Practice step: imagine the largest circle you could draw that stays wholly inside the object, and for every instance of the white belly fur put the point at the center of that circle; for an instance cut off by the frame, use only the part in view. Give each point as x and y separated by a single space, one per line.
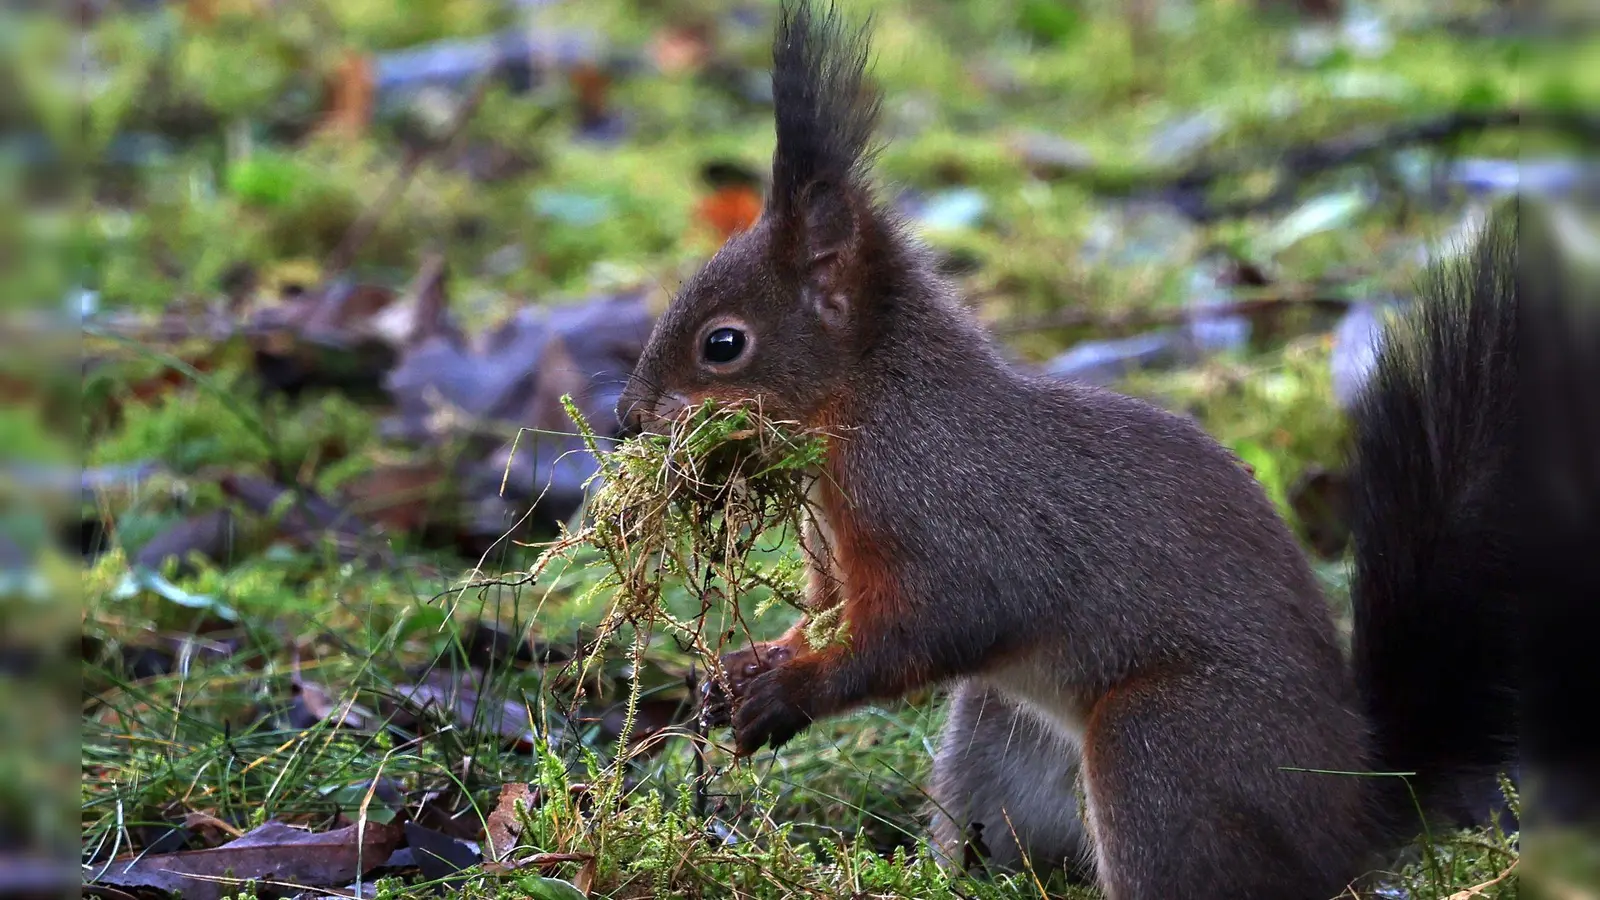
1041 695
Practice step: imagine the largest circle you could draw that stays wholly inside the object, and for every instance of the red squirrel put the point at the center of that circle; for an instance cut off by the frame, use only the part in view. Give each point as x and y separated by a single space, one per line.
1111 594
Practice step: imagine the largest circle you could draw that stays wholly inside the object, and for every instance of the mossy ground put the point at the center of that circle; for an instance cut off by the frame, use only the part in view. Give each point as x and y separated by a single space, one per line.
838 812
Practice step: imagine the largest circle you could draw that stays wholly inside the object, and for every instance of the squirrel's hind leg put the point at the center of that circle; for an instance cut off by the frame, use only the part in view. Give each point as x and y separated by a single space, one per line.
1005 789
1221 786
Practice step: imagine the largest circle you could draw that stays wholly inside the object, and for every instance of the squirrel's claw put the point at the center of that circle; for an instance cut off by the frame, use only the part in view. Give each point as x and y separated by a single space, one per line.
765 715
716 709
718 696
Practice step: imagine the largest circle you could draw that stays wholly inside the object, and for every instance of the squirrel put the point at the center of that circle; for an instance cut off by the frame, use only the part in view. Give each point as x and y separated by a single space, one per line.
1123 614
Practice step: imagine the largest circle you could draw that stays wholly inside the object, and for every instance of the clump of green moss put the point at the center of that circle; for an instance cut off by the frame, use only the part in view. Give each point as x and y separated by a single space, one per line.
687 510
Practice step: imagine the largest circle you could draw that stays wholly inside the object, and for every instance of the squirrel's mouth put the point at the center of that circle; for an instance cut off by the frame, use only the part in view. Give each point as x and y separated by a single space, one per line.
652 415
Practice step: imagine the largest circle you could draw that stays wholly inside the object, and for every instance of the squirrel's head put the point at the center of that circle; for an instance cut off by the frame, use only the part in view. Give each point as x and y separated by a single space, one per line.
783 313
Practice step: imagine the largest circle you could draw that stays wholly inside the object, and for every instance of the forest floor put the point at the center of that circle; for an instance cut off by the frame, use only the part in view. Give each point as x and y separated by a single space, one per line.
330 308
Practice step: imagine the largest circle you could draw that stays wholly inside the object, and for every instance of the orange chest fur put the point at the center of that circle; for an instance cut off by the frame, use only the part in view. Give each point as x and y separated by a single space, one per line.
846 562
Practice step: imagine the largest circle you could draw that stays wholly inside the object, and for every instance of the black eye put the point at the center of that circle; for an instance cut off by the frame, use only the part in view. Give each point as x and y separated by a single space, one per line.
724 345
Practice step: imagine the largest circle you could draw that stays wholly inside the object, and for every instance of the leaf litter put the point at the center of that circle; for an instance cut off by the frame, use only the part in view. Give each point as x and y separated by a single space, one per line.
273 852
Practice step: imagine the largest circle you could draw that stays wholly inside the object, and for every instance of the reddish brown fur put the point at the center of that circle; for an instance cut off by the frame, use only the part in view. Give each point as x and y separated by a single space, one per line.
1095 574
850 568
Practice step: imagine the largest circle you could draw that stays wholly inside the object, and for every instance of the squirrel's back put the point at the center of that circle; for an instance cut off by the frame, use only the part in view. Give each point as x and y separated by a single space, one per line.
1094 503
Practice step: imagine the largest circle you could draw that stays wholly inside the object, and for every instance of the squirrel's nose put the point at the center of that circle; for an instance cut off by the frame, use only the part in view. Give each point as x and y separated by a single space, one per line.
630 418
636 415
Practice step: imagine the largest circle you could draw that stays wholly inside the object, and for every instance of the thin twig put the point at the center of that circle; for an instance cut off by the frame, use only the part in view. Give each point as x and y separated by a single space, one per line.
1187 189
699 745
1478 889
1139 319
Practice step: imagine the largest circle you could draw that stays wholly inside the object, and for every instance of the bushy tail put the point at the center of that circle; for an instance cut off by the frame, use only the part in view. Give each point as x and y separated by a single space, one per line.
1438 569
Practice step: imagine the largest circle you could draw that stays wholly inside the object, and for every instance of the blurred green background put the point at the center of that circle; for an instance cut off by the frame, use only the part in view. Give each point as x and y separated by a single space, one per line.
330 265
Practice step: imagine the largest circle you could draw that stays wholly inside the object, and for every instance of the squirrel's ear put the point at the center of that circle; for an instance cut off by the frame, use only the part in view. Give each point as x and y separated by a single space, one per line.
831 250
825 114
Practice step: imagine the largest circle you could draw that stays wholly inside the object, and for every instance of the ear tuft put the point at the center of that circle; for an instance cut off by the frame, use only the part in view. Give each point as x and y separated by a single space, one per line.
826 112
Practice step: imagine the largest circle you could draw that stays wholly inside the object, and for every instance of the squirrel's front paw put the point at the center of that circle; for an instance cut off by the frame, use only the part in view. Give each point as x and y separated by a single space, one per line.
768 714
740 668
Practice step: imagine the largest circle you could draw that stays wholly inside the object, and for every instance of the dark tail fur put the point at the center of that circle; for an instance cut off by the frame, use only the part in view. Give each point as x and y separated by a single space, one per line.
826 111
1438 570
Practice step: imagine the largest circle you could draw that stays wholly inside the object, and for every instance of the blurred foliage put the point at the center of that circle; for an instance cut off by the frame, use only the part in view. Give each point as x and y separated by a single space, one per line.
206 128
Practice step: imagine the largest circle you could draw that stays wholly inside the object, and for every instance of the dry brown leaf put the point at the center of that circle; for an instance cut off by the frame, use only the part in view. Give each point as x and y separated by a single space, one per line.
504 826
584 880
730 210
351 90
681 48
200 12
273 852
198 821
403 497
593 88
